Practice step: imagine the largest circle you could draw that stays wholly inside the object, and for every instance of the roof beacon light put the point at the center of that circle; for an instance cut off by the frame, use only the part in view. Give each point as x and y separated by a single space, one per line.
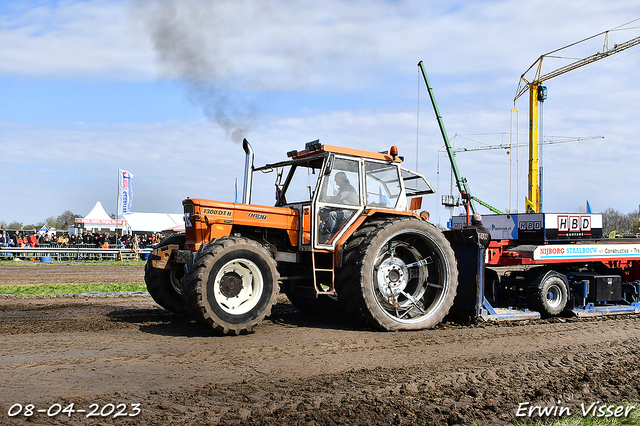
394 152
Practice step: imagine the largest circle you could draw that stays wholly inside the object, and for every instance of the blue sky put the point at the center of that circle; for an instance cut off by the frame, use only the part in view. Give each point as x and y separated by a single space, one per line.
159 87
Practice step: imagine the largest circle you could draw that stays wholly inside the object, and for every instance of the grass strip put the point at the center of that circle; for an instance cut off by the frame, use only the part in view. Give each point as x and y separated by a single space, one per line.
48 289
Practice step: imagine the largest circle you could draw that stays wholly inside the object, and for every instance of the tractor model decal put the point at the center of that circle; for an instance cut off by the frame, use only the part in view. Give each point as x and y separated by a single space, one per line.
258 216
217 212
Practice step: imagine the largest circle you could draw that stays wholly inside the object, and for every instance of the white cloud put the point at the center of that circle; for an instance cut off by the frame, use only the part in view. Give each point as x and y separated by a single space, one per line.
71 167
283 45
73 39
358 53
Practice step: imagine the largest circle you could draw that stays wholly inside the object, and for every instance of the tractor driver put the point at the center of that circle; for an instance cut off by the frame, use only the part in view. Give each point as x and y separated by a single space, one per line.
347 194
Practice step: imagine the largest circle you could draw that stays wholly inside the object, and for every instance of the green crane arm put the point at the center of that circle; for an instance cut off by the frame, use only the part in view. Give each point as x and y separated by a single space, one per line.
461 182
493 209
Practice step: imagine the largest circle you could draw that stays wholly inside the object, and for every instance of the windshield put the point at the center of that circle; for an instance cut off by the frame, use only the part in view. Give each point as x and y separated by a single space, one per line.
302 184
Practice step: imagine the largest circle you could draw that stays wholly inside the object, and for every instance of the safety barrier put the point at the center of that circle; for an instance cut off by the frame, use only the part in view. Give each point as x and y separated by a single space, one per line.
47 254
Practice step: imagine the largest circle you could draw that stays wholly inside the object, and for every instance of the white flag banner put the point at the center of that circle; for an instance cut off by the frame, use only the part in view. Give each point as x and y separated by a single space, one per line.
125 193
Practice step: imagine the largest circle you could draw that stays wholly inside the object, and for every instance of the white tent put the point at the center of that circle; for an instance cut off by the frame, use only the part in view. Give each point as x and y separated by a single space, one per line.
153 222
98 219
98 212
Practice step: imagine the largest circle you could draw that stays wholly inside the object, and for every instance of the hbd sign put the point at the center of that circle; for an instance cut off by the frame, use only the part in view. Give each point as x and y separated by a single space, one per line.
574 223
529 225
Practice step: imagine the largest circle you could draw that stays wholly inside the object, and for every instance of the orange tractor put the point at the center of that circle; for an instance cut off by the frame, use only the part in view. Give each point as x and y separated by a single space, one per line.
341 231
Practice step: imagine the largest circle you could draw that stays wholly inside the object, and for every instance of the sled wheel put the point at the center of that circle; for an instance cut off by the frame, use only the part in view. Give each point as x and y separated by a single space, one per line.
164 285
398 274
549 295
231 285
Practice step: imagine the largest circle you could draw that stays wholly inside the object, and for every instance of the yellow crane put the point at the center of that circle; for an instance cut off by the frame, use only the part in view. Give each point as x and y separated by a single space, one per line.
537 94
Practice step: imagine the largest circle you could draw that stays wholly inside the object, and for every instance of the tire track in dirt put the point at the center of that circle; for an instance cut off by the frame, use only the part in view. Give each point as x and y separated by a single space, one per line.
293 369
298 370
20 273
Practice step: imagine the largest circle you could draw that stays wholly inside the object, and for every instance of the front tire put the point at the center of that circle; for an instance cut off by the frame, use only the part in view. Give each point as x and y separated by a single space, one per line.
164 285
398 274
231 285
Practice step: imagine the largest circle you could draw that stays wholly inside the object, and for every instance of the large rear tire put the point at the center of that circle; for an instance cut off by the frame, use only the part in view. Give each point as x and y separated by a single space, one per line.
398 274
231 285
164 285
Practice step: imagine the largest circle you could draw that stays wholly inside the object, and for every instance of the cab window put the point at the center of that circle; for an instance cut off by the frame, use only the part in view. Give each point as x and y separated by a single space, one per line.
383 184
302 184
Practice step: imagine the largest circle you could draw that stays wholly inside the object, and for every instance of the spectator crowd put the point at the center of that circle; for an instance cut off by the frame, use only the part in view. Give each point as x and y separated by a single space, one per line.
86 239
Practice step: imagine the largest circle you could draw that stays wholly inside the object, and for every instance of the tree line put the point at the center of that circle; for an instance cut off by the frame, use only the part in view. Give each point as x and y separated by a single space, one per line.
62 222
612 220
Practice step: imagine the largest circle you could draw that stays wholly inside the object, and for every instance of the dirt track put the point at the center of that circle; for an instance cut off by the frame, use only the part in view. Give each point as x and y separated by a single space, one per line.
293 369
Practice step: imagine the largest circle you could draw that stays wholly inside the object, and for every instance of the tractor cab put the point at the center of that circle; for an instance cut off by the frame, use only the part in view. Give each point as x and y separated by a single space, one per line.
331 187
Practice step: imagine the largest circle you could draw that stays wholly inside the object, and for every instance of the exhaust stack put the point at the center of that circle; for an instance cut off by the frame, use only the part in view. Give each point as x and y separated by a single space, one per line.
248 172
